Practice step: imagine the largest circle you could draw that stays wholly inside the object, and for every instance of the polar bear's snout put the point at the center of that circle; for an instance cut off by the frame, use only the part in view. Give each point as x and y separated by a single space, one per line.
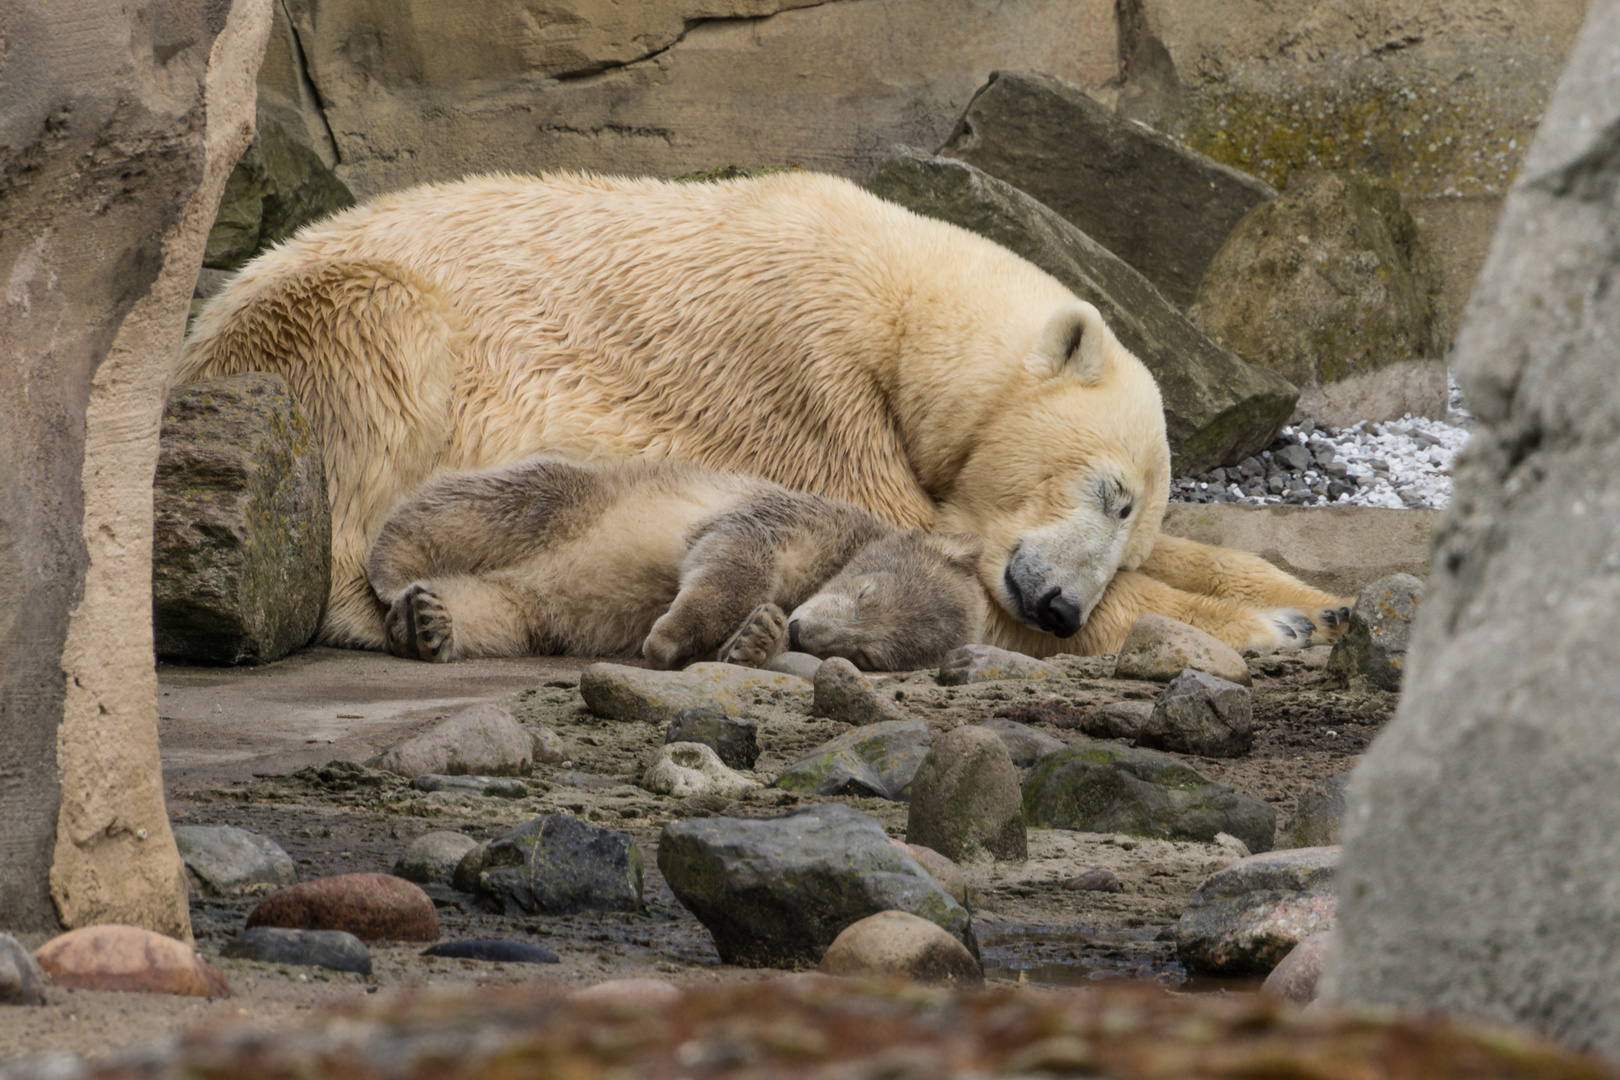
1038 602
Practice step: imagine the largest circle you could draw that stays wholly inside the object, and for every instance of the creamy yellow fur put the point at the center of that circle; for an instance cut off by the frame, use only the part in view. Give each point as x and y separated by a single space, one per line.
791 326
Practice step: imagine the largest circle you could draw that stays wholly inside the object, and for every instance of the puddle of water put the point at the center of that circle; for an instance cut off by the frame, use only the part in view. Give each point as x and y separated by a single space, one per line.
1075 956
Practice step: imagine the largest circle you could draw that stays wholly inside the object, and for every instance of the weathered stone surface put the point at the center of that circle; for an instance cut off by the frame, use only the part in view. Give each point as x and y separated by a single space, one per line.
278 186
795 663
112 957
617 692
1109 788
1319 817
842 693
335 949
485 740
877 760
1201 714
986 663
1163 208
498 787
558 865
222 860
945 872
372 907
683 769
1094 881
1159 648
1247 917
1374 647
431 859
1024 744
21 980
965 799
897 943
735 739
242 549
1328 281
1217 408
1483 839
1117 720
1295 979
776 892
492 951
548 748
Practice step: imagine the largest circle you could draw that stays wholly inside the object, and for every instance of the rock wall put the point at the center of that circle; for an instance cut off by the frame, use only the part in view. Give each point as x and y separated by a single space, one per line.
1481 869
119 129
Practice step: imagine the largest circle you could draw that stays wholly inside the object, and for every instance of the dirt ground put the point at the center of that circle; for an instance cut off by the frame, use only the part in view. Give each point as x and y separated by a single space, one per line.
265 749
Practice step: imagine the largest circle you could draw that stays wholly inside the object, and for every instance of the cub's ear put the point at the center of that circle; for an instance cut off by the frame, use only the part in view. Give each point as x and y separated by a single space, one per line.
1075 342
961 549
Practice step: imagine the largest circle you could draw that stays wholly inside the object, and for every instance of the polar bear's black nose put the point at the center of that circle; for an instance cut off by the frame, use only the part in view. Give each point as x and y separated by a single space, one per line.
1057 614
793 636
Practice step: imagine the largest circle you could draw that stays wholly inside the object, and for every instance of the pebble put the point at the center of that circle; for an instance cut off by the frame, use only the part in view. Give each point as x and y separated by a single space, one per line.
1374 645
485 740
558 865
878 760
965 799
548 747
899 944
1295 979
842 693
493 951
1024 744
1201 714
735 739
1158 649
112 957
499 787
1094 881
986 663
21 980
431 859
619 692
1245 918
334 949
691 768
801 664
222 860
372 907
1117 720
1316 822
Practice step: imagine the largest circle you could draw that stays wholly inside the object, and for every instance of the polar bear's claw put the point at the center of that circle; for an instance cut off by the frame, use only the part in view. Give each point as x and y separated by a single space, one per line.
419 626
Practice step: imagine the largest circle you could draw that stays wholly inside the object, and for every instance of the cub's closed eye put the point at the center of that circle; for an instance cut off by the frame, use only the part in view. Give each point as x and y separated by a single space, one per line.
1125 513
864 591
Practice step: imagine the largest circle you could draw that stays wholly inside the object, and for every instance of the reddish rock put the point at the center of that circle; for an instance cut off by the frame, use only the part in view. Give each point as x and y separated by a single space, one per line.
1294 980
372 907
1094 881
128 958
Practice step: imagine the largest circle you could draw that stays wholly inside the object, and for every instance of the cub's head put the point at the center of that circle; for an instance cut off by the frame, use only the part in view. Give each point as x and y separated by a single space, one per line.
1067 484
901 603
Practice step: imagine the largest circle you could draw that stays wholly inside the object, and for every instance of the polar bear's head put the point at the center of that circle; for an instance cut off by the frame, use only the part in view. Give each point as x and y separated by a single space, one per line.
1068 483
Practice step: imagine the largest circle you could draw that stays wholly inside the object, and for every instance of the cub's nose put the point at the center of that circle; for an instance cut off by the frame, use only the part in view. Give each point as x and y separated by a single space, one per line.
1057 614
793 636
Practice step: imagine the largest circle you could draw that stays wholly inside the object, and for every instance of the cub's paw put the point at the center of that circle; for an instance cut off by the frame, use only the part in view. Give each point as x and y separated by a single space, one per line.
761 637
662 649
419 626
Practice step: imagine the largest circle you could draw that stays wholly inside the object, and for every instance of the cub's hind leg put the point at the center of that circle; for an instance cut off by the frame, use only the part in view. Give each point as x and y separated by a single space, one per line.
1229 574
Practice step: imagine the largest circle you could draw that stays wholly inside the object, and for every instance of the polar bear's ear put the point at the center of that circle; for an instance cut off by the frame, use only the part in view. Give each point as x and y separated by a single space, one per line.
1074 342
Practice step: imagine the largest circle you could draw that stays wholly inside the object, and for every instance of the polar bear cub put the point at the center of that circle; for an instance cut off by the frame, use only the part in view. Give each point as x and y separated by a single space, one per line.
549 555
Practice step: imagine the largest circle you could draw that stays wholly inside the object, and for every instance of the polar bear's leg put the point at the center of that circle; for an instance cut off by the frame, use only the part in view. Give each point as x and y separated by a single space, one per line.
757 640
1228 574
717 595
459 616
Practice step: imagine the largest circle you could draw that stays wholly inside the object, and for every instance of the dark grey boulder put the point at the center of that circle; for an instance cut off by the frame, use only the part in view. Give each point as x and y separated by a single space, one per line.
877 760
1374 645
1024 744
1200 713
21 980
1244 919
775 892
965 800
558 865
222 860
241 552
1318 819
493 951
734 739
277 187
335 949
1109 788
1217 408
1162 207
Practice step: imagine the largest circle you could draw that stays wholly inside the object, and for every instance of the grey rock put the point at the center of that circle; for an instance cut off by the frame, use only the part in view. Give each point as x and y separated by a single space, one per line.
1217 408
1024 744
1293 456
241 549
499 787
795 663
21 980
986 663
1163 208
1201 714
618 692
1317 820
1296 978
338 950
688 769
735 739
548 747
1244 919
492 951
485 740
776 892
965 799
944 871
878 760
222 860
842 693
1374 646
465 877
279 186
1157 648
1109 788
559 865
431 859
1117 720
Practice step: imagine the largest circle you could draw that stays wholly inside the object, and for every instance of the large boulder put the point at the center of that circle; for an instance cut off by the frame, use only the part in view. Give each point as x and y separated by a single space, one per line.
1217 408
1482 846
1328 285
1163 208
965 800
1109 788
557 865
1244 919
241 554
776 892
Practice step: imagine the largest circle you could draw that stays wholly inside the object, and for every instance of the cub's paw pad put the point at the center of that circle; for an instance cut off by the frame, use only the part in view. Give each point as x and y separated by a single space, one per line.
399 625
761 637
1292 626
434 629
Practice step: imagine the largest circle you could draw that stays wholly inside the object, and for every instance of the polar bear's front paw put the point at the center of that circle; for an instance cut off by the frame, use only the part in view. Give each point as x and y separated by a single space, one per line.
419 626
761 637
1331 623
